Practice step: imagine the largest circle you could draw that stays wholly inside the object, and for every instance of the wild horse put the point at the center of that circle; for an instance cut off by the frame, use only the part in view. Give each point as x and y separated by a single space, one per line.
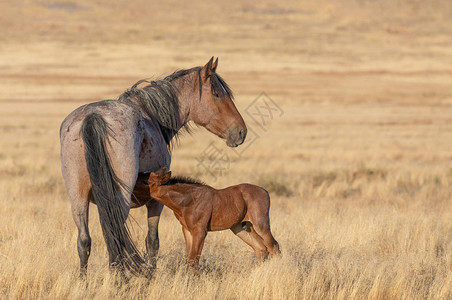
106 144
242 208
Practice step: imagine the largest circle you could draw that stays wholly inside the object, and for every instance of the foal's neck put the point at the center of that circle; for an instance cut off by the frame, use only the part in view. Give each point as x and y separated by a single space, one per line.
160 193
181 195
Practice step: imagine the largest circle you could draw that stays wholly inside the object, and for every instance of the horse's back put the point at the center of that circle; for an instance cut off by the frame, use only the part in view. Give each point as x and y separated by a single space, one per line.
111 110
245 192
124 124
255 192
256 198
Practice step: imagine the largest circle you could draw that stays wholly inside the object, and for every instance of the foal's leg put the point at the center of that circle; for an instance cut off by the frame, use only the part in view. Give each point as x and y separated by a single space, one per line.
198 237
249 236
188 239
152 239
263 230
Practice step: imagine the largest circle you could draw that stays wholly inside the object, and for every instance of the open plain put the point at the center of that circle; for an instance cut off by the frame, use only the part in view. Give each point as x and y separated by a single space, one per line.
355 147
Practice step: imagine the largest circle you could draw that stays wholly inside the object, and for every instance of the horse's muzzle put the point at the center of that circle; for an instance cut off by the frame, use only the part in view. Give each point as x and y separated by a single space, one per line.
236 137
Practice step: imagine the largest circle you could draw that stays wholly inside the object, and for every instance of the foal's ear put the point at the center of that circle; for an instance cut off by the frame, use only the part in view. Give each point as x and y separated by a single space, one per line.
207 70
165 178
161 171
151 179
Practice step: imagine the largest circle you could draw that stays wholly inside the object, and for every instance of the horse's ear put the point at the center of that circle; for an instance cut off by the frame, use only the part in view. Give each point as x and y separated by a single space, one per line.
166 177
207 70
161 171
215 65
151 179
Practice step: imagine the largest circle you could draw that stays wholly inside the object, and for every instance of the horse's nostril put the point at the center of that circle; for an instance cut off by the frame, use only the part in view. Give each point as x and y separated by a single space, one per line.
241 133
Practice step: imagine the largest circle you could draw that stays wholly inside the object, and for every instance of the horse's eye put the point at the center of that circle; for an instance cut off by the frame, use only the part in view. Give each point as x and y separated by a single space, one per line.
216 95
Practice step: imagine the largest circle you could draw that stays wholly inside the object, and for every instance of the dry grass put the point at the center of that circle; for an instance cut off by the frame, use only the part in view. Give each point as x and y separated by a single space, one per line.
359 165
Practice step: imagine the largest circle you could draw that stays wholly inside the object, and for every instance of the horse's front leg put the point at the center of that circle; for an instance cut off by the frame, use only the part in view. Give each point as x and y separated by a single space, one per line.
152 239
198 237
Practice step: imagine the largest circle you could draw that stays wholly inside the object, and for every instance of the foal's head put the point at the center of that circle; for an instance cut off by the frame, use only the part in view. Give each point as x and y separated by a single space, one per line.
216 110
159 177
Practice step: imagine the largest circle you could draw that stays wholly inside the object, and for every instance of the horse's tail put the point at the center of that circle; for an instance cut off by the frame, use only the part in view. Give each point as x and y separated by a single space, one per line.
106 191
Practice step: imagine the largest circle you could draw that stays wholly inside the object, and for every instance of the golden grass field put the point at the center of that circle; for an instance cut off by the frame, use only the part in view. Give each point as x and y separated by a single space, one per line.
359 164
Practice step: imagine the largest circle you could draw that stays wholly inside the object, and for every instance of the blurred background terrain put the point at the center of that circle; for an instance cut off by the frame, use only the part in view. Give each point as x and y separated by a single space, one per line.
357 160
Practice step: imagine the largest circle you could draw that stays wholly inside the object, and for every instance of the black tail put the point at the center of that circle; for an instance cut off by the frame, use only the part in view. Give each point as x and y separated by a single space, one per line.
106 189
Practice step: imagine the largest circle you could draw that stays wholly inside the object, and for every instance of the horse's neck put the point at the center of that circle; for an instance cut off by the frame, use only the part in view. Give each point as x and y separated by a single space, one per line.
161 195
181 195
188 91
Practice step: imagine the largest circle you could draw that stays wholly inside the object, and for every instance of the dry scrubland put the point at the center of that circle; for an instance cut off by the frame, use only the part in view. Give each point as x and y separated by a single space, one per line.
359 166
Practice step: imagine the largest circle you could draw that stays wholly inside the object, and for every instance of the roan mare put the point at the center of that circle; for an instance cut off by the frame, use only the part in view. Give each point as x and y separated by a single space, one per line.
105 146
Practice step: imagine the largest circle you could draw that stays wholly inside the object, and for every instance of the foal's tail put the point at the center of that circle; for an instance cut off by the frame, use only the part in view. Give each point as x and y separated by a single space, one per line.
106 190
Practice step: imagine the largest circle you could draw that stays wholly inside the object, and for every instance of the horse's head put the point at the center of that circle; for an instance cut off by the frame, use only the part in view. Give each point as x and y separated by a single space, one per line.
159 177
215 110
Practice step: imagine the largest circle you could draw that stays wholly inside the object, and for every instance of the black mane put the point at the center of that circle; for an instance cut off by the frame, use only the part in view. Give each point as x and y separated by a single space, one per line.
160 99
184 179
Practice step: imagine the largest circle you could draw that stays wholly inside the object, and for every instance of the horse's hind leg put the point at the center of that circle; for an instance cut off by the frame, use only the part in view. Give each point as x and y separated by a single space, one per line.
80 214
263 230
78 187
247 234
152 239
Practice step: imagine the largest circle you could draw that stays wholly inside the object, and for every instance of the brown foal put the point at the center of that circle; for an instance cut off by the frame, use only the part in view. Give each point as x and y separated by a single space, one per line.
200 208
